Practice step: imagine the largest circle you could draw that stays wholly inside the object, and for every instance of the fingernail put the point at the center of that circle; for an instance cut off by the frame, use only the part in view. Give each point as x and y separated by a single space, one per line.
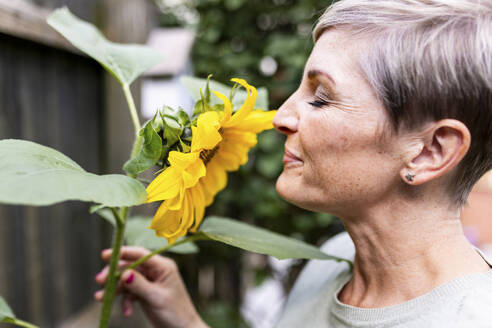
129 280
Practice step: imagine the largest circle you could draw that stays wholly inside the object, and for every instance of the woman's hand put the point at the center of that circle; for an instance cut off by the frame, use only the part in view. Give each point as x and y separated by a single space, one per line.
157 285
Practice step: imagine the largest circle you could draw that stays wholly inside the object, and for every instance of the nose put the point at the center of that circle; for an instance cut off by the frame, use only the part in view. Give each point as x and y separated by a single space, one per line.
286 120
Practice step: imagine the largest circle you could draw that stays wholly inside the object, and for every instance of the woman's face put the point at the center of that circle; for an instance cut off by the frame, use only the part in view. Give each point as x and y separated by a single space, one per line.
338 156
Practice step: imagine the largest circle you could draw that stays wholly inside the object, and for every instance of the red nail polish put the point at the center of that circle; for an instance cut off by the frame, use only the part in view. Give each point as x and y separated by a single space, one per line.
130 279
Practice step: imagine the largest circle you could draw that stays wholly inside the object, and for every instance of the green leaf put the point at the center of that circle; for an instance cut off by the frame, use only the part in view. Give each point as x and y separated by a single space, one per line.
183 117
124 61
107 215
5 310
172 128
207 89
194 85
200 107
95 208
149 153
7 316
258 240
137 233
32 174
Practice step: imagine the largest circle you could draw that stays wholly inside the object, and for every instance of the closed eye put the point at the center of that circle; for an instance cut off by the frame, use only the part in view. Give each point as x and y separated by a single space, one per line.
318 103
321 98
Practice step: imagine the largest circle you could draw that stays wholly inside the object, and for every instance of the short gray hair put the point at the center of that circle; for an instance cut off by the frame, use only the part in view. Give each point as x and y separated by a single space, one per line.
428 60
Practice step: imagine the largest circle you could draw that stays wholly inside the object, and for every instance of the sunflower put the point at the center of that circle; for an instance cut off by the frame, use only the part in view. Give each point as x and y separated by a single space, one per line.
220 143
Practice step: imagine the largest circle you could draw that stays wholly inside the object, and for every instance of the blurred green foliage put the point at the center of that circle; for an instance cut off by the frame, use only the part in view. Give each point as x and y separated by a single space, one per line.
234 38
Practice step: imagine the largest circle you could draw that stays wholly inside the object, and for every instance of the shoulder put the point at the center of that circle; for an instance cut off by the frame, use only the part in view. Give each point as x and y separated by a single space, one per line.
319 271
476 301
340 245
317 274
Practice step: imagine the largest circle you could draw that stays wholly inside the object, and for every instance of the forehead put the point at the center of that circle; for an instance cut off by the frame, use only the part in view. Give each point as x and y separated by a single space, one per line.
337 53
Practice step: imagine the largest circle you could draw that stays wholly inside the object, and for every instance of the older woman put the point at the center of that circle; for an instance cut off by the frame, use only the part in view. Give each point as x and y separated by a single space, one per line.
389 130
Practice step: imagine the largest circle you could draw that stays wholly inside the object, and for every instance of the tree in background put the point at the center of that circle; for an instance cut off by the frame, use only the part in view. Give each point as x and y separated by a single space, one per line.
266 42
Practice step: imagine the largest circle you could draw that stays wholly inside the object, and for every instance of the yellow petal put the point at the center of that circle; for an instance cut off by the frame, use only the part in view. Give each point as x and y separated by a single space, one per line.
230 161
185 220
227 107
247 106
208 194
193 173
242 138
165 186
165 219
199 203
189 216
170 240
167 224
175 203
206 134
257 121
182 160
214 181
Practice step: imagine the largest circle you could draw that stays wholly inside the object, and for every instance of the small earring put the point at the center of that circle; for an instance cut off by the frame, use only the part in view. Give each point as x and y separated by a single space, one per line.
410 176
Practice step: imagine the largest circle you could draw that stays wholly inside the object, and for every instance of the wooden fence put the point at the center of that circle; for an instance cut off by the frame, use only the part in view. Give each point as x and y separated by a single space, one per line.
49 254
54 96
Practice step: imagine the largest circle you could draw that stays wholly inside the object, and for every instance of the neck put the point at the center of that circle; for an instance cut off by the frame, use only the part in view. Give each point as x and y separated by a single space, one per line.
402 252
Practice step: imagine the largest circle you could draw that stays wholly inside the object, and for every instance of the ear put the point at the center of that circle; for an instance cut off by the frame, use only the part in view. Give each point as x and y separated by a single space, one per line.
440 147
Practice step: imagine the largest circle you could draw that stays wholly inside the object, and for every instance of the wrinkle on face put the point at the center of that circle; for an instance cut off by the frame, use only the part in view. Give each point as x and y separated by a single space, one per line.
346 156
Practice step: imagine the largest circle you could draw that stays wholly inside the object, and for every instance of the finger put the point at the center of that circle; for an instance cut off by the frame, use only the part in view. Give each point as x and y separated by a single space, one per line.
102 276
98 296
135 283
127 305
129 253
106 254
133 253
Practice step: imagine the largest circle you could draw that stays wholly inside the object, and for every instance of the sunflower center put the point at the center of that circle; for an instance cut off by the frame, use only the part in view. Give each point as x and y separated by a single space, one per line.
207 154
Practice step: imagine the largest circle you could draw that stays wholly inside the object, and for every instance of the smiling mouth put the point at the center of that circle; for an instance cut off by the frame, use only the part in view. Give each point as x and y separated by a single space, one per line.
290 159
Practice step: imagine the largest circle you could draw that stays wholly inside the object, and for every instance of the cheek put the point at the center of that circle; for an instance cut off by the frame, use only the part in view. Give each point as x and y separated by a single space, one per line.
341 157
323 143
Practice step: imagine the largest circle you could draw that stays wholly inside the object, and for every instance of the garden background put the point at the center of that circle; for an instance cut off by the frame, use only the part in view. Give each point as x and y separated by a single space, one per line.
52 94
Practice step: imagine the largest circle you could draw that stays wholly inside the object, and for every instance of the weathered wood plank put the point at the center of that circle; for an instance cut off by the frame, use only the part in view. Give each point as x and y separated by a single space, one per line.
54 98
28 21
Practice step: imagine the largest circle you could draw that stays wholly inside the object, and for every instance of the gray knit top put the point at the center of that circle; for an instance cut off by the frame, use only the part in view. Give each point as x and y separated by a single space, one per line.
465 302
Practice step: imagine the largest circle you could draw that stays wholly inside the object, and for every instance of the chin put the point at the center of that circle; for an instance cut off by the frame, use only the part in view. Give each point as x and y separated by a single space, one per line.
293 193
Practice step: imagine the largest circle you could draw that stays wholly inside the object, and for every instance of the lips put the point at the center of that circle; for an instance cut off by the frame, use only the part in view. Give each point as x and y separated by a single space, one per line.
290 158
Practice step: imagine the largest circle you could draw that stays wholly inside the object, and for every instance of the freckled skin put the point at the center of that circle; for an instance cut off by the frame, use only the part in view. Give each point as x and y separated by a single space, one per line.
341 158
345 162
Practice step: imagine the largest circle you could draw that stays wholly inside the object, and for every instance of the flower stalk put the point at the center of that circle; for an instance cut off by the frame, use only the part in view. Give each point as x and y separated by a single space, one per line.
112 282
141 260
120 218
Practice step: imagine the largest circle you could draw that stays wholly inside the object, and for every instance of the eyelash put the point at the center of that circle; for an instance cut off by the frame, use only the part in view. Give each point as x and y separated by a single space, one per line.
320 101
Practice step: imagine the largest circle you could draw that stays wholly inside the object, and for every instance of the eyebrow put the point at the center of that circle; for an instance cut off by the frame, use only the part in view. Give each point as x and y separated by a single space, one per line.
314 73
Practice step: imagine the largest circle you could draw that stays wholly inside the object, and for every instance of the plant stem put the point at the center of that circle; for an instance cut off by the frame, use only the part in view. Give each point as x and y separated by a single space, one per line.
163 249
113 277
136 122
117 217
133 109
112 282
